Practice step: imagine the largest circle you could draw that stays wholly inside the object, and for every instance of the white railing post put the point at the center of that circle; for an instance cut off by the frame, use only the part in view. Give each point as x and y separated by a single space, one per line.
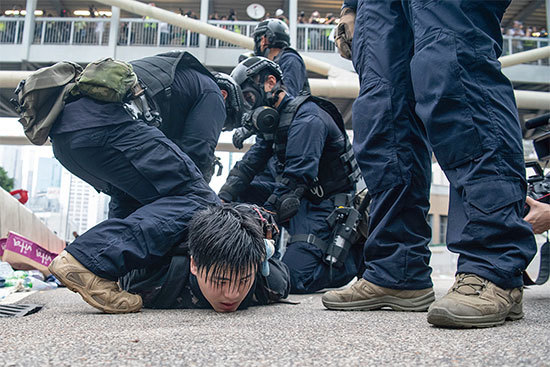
113 30
158 33
43 32
28 29
71 34
203 40
293 20
16 32
129 32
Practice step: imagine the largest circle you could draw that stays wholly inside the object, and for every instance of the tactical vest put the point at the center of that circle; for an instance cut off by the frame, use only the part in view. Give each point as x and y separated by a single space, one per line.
338 171
305 88
157 73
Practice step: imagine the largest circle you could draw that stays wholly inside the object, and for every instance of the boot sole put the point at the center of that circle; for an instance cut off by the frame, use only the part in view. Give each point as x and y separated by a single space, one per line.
441 317
418 304
76 288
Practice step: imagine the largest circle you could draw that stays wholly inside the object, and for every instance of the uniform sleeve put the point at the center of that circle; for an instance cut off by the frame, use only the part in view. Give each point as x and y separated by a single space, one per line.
306 138
350 4
294 73
252 163
201 131
275 286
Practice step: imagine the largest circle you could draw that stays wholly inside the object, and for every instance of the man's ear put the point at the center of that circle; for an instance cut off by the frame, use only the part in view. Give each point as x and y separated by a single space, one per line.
270 82
193 266
224 94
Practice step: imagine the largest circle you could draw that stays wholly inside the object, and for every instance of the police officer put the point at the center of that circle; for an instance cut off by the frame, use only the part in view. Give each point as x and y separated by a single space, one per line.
155 187
272 40
430 79
316 168
187 95
194 106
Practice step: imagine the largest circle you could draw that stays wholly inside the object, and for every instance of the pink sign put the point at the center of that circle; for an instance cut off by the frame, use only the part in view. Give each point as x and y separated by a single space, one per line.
2 246
29 249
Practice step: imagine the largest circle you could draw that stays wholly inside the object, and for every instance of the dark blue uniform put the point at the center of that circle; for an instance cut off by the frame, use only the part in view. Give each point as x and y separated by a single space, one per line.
197 115
294 71
294 79
430 79
311 134
155 187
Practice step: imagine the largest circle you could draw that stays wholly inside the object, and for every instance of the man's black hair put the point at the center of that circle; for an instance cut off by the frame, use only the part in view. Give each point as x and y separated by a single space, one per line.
226 240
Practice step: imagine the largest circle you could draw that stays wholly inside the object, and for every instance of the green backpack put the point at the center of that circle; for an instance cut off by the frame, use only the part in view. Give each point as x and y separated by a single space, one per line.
106 80
40 98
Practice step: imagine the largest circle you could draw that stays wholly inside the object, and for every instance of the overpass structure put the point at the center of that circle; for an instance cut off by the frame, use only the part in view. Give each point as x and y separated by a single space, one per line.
32 42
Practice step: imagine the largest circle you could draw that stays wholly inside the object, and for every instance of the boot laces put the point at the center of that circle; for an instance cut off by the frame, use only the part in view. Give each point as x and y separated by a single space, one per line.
469 285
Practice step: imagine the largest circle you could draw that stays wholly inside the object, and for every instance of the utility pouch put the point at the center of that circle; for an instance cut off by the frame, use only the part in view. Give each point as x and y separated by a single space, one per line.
107 80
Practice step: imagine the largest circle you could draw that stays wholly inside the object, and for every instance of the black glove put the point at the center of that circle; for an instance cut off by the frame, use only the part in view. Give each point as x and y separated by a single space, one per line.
240 135
225 196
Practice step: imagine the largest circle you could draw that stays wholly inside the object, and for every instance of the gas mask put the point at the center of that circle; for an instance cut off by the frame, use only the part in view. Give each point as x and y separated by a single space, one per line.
263 119
260 116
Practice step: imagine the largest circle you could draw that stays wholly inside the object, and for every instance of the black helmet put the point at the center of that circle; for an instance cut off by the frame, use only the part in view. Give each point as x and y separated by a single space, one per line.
245 75
255 65
234 101
275 30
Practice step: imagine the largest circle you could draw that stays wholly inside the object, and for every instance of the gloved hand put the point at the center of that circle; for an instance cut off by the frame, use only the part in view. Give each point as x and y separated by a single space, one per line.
344 32
225 196
240 135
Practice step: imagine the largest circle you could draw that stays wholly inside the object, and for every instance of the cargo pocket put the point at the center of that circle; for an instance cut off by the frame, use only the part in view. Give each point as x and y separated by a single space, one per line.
487 198
441 100
374 137
90 138
495 226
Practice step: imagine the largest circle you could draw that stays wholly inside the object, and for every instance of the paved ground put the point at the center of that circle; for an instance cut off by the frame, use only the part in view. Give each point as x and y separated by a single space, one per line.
69 332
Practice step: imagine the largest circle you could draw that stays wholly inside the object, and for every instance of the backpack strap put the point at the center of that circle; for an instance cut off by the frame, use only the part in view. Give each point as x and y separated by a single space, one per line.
544 269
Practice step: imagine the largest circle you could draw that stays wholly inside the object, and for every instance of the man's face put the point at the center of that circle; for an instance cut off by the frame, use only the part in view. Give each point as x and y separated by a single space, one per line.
223 293
251 95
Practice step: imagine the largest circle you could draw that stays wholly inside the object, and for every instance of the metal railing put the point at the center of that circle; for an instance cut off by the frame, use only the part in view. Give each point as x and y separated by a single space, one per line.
512 45
242 27
314 38
11 30
149 32
72 31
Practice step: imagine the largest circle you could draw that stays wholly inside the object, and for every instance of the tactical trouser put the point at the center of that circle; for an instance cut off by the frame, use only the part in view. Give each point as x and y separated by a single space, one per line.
306 261
430 79
133 160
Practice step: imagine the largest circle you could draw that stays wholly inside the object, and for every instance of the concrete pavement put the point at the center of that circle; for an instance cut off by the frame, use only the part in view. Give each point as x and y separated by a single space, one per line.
68 332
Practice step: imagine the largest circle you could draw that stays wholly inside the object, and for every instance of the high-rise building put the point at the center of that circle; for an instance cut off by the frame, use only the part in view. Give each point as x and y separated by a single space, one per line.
48 175
85 206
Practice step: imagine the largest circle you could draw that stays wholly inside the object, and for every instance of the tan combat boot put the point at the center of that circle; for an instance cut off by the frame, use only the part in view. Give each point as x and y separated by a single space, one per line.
100 293
476 302
364 295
